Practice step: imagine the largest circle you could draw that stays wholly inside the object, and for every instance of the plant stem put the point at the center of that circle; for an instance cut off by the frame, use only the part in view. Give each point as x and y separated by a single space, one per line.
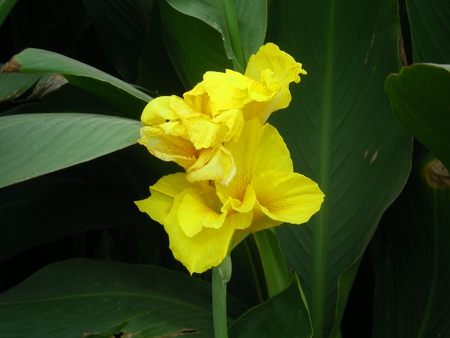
235 37
220 276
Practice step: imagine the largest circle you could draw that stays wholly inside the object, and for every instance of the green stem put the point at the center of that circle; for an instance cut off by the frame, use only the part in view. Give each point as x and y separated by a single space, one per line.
220 276
235 37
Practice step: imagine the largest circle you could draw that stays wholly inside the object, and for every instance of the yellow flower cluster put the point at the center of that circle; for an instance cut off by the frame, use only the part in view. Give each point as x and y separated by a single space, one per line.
239 175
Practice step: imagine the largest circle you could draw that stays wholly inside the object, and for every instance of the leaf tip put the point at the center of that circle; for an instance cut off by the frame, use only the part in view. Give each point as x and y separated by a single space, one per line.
12 66
437 175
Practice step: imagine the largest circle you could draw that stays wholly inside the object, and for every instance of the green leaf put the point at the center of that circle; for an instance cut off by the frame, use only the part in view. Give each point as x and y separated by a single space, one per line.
14 85
35 144
5 7
83 298
420 98
412 298
341 132
113 91
193 46
430 29
284 315
251 17
121 28
276 272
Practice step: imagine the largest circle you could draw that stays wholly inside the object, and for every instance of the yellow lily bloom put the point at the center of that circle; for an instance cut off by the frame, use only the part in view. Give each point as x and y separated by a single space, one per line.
205 220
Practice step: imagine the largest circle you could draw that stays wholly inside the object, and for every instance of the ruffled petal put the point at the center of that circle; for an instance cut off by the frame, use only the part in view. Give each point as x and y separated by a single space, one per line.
215 164
287 197
158 111
168 147
196 246
283 66
160 202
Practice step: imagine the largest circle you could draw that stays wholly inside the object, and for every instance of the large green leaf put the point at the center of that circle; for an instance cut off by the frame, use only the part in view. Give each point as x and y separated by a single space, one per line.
193 46
420 98
121 28
285 315
248 17
341 132
36 144
83 298
430 30
412 298
113 91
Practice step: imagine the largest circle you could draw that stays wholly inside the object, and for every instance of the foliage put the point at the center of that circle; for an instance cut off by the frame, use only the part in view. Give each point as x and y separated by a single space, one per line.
78 259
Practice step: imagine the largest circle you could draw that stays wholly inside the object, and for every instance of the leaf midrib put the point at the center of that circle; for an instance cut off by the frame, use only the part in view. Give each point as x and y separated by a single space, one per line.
320 231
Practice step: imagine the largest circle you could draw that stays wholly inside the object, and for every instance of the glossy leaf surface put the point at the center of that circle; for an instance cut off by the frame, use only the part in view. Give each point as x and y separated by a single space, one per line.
35 144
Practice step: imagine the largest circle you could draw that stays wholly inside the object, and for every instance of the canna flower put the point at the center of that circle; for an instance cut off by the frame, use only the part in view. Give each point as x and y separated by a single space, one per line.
191 131
205 220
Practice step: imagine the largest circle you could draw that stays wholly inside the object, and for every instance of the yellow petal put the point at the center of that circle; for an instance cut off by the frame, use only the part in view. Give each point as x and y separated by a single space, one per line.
260 148
168 147
204 133
215 164
283 66
158 205
195 245
196 210
234 121
158 111
287 197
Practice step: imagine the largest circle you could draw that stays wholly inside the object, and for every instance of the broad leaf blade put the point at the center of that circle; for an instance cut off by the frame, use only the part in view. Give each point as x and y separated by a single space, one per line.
341 132
35 144
83 298
420 98
113 91
412 298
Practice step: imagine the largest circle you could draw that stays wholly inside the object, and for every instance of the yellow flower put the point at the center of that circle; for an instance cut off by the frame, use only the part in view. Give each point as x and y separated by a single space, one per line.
191 133
262 90
205 220
199 232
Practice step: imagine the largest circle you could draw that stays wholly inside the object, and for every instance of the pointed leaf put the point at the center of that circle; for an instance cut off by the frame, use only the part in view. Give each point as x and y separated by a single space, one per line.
35 144
420 98
341 132
113 91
